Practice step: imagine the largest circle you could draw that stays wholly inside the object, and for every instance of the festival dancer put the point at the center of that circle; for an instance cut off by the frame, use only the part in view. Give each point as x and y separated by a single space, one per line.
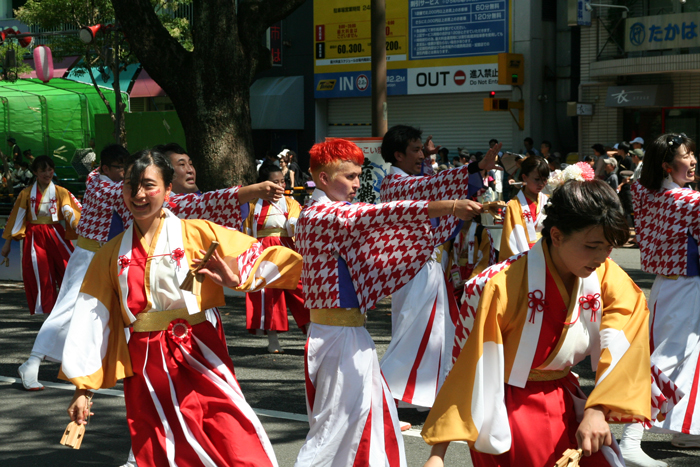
272 223
523 218
36 218
354 255
104 216
472 253
182 398
511 394
98 204
668 232
416 362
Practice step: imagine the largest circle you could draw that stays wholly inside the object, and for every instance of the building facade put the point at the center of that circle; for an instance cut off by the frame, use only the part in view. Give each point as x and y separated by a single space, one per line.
442 63
639 69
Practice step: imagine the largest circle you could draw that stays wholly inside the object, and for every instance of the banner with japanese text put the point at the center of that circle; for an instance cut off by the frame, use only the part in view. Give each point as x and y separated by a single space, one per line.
432 46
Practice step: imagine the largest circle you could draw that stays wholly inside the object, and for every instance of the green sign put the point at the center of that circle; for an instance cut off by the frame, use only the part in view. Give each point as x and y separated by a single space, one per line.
662 32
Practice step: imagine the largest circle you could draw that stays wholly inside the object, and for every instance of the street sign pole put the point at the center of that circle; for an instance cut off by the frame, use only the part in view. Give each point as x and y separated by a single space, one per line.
379 104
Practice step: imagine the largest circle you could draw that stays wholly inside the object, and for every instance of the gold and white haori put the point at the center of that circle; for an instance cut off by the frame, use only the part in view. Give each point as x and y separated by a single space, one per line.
604 321
95 354
521 227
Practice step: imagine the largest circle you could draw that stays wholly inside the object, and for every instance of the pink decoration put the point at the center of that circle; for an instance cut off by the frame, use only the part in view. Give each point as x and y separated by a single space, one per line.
587 171
43 61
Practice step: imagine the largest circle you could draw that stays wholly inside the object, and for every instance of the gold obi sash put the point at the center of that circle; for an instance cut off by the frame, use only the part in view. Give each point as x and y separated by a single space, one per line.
89 245
45 220
276 232
160 320
548 375
347 317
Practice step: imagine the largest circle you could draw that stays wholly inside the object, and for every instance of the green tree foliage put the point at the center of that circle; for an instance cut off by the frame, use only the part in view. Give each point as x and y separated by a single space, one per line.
109 50
21 68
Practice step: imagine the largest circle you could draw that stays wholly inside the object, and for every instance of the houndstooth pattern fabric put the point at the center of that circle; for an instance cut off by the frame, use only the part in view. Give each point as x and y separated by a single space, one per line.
247 260
470 302
220 206
663 221
446 185
384 245
101 197
75 200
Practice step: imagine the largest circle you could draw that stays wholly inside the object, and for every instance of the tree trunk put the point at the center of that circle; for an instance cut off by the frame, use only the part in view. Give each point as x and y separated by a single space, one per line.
218 133
210 86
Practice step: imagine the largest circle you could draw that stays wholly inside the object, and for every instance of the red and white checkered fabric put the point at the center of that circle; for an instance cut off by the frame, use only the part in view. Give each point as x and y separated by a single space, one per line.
384 245
663 221
220 207
664 396
470 302
247 260
101 196
446 185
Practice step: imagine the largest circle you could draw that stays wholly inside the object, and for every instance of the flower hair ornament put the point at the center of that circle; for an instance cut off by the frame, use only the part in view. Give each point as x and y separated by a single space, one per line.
580 171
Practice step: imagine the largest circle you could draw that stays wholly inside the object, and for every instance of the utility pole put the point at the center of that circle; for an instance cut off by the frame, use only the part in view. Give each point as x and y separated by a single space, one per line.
380 123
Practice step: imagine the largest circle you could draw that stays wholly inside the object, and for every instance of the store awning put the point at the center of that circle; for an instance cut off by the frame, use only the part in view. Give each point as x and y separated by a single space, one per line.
103 76
144 86
59 68
277 103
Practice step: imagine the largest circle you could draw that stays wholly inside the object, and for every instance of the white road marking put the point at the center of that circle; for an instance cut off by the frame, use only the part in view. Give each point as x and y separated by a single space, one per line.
296 417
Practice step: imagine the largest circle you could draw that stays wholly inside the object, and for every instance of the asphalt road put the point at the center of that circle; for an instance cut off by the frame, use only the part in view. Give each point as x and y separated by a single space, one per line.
31 423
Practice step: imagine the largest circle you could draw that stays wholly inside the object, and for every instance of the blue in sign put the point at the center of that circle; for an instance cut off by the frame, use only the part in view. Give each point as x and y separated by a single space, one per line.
357 84
457 28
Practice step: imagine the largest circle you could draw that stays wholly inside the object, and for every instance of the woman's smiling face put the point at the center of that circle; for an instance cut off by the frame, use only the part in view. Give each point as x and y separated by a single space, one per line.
683 166
150 196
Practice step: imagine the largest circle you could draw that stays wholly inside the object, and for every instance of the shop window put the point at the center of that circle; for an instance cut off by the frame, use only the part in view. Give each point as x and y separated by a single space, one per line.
645 123
683 120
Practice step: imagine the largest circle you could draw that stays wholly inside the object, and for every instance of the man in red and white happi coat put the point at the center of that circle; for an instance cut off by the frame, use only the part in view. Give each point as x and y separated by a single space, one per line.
354 255
424 311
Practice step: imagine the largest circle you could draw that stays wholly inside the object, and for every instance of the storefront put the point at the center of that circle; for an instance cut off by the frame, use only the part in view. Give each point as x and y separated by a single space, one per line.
646 88
442 63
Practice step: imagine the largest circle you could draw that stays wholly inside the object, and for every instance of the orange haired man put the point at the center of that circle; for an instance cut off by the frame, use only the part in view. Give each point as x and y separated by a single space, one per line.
354 255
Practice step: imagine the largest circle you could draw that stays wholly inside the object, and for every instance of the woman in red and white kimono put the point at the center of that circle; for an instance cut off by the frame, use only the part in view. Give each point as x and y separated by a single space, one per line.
273 223
511 394
667 220
184 405
523 218
36 217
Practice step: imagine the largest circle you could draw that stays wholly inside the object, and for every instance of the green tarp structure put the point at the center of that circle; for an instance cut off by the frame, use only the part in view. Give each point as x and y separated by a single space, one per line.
143 130
45 117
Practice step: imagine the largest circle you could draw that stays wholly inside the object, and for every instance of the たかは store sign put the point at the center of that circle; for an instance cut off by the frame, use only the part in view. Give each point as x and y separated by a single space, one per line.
662 32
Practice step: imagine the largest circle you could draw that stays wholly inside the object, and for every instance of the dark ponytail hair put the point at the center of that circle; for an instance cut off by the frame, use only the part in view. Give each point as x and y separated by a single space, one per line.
577 205
662 149
141 160
537 163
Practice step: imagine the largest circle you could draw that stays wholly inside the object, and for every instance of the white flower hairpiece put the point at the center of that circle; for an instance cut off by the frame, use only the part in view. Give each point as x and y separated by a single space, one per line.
580 171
